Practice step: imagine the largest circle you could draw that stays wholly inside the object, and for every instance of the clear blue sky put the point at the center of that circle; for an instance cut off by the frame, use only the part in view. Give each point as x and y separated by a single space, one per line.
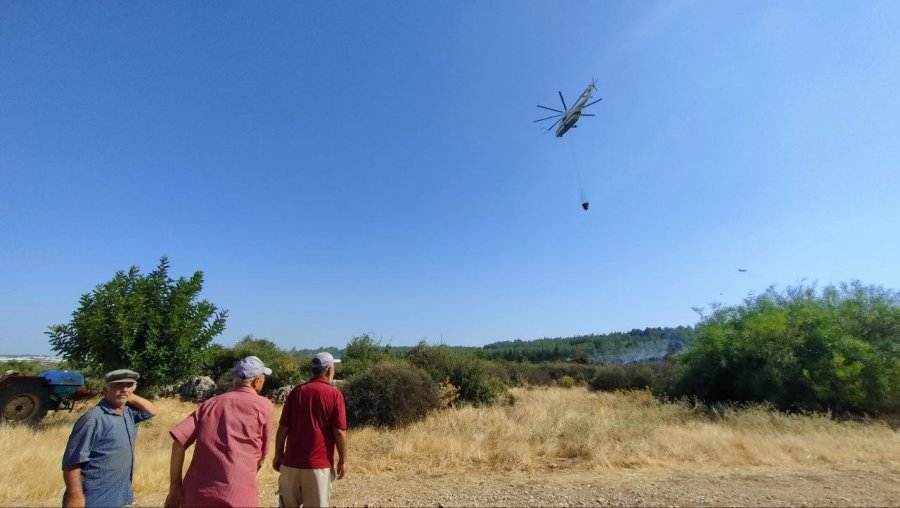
339 168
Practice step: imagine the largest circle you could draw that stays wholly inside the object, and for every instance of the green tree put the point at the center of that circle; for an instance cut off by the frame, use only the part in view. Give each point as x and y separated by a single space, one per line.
362 353
150 323
836 349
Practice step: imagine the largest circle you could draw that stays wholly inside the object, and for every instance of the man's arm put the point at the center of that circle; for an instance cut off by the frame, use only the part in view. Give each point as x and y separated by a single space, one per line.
280 438
142 404
176 465
340 439
74 491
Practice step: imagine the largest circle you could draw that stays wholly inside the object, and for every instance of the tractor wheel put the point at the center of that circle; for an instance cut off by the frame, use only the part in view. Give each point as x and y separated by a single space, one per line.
24 402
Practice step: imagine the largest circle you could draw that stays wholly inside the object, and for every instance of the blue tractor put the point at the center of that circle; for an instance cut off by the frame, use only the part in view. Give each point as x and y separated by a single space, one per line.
28 398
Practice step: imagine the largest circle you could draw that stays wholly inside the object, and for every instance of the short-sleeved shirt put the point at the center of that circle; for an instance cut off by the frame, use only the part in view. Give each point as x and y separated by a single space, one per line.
102 443
311 413
231 432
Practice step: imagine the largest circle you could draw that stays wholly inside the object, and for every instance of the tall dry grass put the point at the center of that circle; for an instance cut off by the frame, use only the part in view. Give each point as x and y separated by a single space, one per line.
552 428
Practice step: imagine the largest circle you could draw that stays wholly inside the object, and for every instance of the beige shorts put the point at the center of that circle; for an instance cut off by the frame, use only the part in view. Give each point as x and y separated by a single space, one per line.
304 487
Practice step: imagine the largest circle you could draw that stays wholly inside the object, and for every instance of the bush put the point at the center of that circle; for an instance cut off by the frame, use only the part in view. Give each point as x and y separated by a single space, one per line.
566 381
610 378
362 353
390 394
465 371
803 349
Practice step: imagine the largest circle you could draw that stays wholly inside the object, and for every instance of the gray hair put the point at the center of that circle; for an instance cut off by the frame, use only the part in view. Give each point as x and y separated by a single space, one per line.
238 381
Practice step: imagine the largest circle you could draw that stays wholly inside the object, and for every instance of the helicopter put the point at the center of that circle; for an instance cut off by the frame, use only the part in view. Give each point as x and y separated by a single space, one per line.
569 117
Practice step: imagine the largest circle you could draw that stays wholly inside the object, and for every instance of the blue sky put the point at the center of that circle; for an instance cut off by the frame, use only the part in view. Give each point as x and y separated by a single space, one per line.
339 168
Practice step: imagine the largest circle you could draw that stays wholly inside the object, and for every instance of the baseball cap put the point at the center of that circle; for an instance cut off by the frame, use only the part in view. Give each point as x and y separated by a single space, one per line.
250 367
324 360
121 376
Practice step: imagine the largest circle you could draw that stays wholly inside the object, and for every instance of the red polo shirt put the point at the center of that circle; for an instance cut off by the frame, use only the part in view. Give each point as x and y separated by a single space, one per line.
311 413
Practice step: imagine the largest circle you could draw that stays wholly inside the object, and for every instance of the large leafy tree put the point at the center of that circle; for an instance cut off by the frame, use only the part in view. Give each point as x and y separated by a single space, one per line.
836 349
150 323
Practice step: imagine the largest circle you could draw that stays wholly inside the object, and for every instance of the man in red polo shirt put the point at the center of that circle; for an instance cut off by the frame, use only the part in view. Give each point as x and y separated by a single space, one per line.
231 432
314 423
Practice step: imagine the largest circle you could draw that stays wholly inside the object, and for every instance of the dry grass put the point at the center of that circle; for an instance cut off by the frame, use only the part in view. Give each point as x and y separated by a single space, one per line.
546 428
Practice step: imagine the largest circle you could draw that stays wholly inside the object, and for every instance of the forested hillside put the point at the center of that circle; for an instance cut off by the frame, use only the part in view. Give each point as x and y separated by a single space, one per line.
617 347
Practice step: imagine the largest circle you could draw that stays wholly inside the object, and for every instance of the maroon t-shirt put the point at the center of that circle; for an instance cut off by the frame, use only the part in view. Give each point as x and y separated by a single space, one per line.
311 413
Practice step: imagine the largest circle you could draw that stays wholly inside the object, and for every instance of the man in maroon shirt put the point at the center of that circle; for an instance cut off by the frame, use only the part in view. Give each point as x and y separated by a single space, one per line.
231 432
314 423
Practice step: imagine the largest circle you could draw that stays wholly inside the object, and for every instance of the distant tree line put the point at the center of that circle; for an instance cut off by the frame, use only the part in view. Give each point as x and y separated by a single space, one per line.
619 347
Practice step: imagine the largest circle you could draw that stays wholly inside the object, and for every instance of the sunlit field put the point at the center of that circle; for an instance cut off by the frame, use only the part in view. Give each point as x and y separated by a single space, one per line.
542 429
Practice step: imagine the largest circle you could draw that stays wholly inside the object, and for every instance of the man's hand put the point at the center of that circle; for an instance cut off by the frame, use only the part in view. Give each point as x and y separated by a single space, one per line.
173 500
74 500
341 469
276 462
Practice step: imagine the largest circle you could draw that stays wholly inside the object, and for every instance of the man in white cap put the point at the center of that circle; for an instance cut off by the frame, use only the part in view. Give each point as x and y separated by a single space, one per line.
231 432
98 463
313 423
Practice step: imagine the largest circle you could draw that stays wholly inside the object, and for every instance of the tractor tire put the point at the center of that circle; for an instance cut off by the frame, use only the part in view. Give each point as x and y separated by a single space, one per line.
24 402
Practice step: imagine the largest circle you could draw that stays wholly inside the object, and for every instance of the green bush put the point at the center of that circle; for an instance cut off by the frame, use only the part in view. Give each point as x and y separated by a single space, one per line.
390 394
362 353
802 349
609 378
464 370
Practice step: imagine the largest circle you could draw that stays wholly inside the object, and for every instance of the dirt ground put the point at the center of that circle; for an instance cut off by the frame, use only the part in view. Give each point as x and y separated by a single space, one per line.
820 486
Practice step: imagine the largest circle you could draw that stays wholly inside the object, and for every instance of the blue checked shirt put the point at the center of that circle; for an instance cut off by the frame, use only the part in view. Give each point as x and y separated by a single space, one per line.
102 442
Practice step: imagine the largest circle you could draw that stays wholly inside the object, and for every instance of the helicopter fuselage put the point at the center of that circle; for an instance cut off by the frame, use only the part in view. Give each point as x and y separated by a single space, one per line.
570 117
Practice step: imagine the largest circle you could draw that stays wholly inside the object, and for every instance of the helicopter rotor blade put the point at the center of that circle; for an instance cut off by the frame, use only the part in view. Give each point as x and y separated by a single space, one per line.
593 102
563 101
547 118
551 109
552 126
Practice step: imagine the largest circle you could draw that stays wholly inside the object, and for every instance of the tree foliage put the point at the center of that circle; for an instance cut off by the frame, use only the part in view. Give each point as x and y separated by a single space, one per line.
464 370
838 349
150 323
363 352
618 347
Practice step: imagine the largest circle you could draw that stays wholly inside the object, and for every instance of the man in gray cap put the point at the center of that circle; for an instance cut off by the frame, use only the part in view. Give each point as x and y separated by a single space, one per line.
313 424
231 432
98 463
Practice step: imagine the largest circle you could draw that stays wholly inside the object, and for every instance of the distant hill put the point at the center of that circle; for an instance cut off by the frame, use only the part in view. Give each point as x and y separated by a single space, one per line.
618 347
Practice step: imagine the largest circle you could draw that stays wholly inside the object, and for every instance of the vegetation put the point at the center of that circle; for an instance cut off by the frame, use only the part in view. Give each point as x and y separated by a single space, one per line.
464 371
287 369
618 347
547 430
837 349
363 352
390 394
150 323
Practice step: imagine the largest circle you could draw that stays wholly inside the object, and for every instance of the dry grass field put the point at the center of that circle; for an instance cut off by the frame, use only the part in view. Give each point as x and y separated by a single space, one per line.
546 432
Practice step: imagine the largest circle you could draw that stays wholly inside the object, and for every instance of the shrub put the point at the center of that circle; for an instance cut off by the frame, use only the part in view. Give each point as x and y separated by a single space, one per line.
362 353
463 370
609 378
566 381
801 349
390 394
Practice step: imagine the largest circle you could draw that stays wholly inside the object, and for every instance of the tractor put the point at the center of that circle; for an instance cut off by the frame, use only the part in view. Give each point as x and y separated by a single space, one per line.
28 398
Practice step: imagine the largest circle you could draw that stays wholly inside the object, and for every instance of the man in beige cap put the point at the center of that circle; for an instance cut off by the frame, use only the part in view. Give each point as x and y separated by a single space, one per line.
98 463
